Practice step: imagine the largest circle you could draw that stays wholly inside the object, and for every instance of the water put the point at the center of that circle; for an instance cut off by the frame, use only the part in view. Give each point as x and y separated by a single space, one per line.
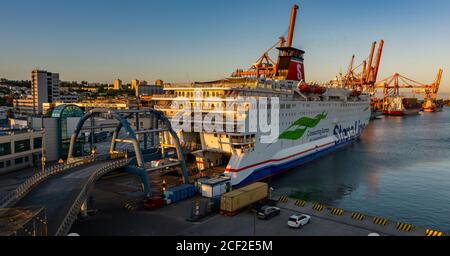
400 169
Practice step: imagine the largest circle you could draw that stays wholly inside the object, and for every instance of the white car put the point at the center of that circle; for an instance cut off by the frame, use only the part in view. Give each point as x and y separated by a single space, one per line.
297 221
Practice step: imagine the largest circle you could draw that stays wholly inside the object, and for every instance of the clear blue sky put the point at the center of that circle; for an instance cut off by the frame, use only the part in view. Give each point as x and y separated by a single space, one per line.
204 39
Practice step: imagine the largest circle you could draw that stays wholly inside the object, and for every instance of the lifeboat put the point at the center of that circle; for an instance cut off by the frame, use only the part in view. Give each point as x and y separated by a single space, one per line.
319 90
355 93
304 88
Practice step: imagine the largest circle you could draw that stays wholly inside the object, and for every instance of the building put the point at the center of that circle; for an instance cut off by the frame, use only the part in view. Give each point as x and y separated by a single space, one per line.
149 90
44 88
117 84
18 122
89 89
24 107
51 128
134 84
20 149
69 98
4 122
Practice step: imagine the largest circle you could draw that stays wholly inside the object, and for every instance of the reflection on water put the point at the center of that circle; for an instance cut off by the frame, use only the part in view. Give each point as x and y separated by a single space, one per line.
400 169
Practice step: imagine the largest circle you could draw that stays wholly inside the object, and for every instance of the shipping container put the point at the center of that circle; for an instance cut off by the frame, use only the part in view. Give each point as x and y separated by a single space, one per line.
180 193
231 203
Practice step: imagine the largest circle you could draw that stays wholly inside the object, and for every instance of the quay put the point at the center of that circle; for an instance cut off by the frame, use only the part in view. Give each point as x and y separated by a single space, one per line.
171 220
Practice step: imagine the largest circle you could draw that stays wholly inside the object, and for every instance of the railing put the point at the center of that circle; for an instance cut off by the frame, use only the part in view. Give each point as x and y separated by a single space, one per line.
76 206
23 189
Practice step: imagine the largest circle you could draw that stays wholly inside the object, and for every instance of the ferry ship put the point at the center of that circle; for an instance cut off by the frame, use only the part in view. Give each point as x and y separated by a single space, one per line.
313 120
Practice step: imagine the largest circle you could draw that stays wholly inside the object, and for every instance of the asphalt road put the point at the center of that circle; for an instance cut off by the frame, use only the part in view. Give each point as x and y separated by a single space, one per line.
59 192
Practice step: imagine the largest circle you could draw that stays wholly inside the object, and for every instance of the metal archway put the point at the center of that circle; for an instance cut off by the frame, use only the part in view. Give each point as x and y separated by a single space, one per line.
161 117
123 122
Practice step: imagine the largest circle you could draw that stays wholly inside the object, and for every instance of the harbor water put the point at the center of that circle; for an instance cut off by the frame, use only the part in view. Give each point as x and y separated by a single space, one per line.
399 169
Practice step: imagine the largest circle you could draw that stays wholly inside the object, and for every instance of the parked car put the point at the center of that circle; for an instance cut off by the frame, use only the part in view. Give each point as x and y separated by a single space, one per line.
298 221
268 212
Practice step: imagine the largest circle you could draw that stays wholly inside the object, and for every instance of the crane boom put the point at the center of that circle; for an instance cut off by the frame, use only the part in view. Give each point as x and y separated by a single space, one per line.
378 60
292 25
369 64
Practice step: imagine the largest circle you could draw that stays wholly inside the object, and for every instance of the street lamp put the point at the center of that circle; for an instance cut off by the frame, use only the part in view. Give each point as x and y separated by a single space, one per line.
43 157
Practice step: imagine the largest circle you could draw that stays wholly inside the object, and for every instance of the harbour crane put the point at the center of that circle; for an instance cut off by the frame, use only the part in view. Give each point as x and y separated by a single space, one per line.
391 88
363 77
265 66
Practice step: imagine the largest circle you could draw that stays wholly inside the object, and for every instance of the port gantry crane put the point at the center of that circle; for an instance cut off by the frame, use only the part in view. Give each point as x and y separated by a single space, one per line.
391 86
364 76
266 66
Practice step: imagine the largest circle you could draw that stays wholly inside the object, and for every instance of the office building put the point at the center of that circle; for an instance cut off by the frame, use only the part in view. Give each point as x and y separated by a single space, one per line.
117 84
44 88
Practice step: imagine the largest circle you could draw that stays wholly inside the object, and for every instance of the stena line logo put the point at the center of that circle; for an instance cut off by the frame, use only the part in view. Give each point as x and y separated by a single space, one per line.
345 134
296 70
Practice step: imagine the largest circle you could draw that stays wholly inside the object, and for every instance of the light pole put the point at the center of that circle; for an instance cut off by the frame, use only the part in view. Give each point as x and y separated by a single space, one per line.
43 158
254 223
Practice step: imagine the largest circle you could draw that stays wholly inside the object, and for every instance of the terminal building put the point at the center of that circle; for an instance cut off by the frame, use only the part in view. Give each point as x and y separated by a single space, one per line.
20 149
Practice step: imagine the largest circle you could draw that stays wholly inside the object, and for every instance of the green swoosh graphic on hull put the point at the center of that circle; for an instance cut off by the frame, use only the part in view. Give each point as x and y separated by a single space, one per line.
302 126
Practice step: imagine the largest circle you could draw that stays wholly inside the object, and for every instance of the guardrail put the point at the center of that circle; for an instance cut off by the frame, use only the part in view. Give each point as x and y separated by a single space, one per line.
76 206
23 189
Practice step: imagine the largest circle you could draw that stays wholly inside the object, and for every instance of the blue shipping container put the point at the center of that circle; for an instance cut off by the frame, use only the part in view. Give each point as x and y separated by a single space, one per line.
182 192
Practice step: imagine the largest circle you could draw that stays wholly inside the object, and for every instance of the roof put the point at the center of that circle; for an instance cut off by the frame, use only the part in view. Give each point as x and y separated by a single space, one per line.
215 181
290 49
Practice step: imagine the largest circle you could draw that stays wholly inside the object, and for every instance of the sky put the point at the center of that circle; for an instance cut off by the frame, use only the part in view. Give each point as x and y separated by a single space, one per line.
198 40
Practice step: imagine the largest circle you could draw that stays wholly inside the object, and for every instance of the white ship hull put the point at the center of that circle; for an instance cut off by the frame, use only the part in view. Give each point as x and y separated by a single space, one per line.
344 122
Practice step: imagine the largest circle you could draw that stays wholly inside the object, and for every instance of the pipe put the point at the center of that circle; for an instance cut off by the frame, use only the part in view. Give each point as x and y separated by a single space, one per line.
369 64
377 62
292 25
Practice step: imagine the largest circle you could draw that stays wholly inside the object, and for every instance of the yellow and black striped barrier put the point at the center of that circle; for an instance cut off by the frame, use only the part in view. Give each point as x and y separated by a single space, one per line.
318 207
283 199
337 211
300 203
380 221
358 216
129 206
430 232
404 227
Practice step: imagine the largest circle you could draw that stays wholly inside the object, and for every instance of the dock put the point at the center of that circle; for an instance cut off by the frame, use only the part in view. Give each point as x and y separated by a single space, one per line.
172 219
